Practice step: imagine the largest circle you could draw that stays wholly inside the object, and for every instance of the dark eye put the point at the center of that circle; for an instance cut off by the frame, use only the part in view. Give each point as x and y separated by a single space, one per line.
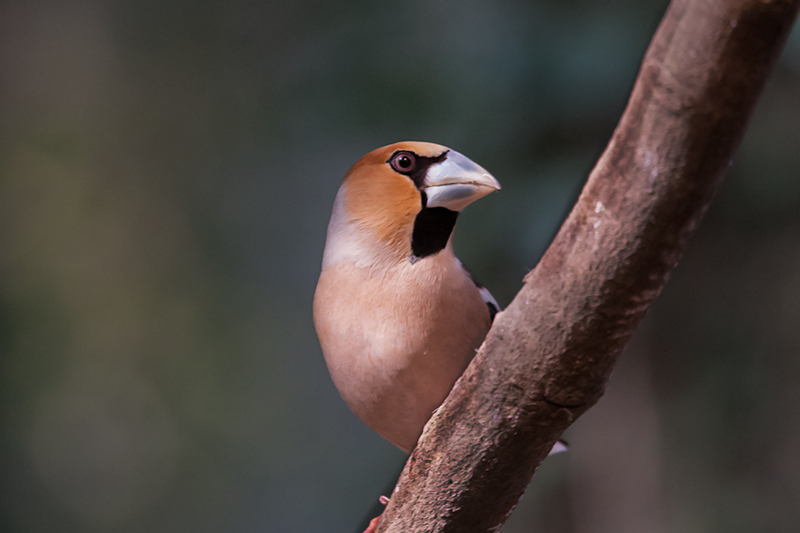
403 162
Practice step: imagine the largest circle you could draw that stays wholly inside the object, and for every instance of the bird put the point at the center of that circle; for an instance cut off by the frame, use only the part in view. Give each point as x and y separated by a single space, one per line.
397 315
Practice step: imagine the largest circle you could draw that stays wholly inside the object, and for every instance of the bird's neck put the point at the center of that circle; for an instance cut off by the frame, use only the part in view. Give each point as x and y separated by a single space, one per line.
353 242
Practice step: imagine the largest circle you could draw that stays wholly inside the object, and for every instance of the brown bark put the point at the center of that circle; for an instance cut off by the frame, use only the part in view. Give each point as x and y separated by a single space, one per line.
548 356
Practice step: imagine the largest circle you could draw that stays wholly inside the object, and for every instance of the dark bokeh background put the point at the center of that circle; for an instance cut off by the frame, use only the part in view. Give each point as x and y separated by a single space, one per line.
166 176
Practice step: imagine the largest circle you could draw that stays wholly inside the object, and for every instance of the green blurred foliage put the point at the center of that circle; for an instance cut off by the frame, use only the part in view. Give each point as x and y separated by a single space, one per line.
166 176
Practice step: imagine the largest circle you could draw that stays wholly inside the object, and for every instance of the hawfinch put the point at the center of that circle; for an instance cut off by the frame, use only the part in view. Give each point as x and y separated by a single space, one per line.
397 315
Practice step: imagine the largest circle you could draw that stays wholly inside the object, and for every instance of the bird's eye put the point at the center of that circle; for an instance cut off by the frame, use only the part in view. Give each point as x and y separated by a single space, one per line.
403 162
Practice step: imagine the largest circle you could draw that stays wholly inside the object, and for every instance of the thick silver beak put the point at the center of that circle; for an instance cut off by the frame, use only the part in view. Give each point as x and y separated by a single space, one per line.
456 182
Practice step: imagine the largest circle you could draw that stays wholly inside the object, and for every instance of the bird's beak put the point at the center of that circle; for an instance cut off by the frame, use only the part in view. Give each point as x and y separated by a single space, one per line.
456 182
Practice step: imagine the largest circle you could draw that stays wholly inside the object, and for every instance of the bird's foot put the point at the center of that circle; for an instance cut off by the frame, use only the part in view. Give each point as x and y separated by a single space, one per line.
373 524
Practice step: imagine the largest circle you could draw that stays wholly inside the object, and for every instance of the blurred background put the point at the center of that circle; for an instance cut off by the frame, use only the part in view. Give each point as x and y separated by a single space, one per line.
166 176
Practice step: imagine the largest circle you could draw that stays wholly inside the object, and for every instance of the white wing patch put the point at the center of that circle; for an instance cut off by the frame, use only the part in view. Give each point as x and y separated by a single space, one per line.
487 297
558 447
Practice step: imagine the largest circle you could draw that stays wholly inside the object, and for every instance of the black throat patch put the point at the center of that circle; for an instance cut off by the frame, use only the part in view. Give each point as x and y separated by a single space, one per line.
433 225
432 229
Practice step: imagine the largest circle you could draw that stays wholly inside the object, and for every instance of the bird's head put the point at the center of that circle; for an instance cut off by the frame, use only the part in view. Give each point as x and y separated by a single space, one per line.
406 197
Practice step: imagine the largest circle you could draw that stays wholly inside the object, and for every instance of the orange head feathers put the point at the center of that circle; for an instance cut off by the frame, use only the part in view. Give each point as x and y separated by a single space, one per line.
388 189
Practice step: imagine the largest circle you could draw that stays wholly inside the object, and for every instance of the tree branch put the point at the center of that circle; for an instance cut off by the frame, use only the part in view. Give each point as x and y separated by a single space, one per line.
548 356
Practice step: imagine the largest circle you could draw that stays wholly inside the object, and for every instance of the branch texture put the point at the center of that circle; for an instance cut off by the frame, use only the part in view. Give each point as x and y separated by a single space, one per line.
549 355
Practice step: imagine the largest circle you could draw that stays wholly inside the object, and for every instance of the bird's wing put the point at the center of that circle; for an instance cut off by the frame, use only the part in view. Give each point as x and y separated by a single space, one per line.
491 303
494 308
